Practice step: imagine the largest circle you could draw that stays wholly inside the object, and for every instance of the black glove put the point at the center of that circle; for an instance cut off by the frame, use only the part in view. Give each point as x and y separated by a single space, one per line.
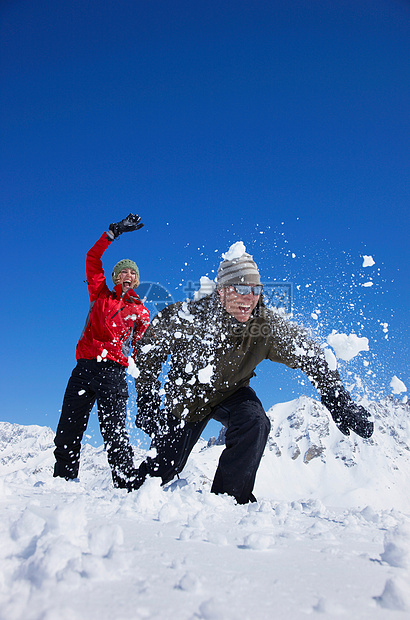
347 414
129 223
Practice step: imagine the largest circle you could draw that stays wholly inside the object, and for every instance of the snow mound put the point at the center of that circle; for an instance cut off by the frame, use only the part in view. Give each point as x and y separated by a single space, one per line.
25 446
307 456
332 517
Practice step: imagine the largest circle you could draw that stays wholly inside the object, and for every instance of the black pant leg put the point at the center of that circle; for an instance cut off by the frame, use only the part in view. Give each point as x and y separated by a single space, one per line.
78 402
247 432
173 445
112 395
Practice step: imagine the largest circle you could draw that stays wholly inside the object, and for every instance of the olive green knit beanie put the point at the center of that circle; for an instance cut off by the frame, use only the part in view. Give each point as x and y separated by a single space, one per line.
125 263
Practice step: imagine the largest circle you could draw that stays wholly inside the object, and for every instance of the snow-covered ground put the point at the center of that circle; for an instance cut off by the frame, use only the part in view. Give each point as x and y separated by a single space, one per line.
329 536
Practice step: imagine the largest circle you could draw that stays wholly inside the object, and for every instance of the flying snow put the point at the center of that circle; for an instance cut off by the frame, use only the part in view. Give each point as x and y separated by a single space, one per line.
368 261
235 251
132 369
397 385
331 359
347 347
205 374
206 288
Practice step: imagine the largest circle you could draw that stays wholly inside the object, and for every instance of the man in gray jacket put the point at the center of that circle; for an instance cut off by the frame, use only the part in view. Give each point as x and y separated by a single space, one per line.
214 345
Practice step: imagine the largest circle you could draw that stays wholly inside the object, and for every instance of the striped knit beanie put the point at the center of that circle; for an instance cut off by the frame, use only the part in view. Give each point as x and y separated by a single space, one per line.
125 263
242 270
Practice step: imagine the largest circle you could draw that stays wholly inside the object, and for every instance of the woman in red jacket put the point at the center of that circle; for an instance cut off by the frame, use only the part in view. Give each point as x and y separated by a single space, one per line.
116 320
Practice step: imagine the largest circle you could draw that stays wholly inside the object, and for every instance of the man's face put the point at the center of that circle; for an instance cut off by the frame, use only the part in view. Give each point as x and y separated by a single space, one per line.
128 279
238 306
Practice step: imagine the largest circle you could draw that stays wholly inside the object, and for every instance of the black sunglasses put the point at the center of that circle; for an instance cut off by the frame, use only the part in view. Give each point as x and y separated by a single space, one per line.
245 289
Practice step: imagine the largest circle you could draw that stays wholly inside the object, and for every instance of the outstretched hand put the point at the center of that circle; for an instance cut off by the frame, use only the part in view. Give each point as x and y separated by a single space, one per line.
347 414
356 418
128 224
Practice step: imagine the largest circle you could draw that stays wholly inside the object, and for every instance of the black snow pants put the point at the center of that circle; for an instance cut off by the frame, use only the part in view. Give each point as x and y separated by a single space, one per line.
247 430
106 383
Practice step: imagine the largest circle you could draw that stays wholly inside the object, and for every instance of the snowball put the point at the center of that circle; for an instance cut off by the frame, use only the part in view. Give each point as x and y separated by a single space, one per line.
206 288
367 284
397 547
299 351
188 583
235 251
205 374
331 359
146 348
347 347
397 386
258 541
184 313
103 538
368 261
27 527
132 368
396 595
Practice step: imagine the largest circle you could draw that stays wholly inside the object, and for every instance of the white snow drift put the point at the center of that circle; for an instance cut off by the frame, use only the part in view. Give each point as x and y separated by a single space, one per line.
329 536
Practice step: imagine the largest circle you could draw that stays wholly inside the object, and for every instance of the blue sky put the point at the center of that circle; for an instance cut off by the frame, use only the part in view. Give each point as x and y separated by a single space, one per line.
283 124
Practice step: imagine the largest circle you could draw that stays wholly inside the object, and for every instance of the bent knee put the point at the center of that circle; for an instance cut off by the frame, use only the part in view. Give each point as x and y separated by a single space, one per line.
257 416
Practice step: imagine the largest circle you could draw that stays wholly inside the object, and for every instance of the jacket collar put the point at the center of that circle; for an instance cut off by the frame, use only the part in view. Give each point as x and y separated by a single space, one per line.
130 295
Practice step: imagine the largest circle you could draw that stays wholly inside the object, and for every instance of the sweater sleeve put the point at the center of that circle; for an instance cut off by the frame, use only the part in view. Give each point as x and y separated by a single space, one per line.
292 346
94 269
151 352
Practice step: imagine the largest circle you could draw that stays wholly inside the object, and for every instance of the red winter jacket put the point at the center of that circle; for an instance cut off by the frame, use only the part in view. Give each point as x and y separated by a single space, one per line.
114 323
